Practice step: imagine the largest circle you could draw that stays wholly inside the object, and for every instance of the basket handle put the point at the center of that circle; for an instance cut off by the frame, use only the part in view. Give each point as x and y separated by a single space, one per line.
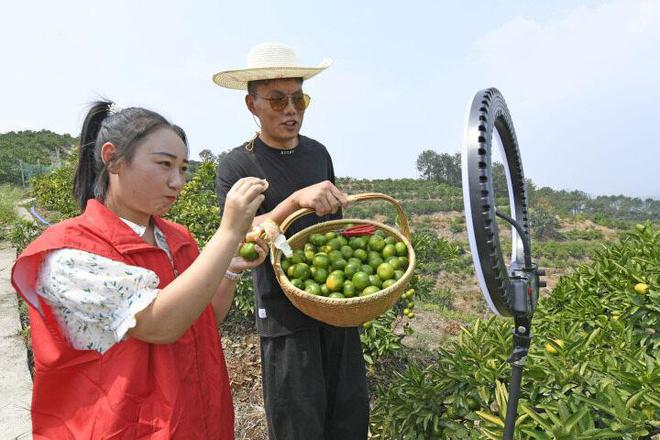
401 216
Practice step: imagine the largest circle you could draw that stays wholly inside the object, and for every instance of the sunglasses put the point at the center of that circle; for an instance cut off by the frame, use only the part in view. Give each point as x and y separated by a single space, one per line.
300 102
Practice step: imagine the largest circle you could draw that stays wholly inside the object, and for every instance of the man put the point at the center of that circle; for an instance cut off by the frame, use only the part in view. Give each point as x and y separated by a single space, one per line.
313 374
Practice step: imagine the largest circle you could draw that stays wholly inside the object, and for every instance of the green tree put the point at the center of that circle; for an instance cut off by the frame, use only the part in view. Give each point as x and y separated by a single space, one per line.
426 163
543 224
499 180
443 167
207 156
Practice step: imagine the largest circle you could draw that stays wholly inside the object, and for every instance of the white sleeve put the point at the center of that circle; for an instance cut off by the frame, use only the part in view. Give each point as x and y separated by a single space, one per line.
94 299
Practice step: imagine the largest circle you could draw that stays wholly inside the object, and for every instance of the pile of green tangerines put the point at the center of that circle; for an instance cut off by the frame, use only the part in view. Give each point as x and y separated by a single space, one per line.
356 261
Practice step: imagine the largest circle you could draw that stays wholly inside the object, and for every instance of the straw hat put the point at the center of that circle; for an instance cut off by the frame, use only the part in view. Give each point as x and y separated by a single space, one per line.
268 61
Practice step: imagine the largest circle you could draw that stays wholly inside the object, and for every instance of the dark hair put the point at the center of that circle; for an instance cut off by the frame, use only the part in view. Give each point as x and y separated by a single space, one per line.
124 129
252 86
182 134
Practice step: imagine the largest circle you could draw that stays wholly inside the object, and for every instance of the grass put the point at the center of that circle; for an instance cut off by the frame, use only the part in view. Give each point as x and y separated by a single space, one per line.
442 297
9 198
449 313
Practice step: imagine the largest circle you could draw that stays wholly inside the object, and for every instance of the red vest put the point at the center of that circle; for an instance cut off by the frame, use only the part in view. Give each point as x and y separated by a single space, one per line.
135 390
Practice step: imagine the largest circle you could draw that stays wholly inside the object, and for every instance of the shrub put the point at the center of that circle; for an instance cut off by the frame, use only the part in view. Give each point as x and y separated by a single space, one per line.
197 205
54 191
544 224
242 309
559 254
9 198
22 233
600 381
605 220
458 225
379 341
586 234
434 252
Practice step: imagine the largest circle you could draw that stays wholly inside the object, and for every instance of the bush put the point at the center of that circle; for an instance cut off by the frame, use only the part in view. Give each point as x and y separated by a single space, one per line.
9 198
593 369
544 224
607 221
22 233
242 309
197 205
54 191
458 225
434 252
379 341
559 254
586 234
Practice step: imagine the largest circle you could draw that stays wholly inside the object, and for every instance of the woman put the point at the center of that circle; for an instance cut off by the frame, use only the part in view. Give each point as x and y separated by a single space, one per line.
124 307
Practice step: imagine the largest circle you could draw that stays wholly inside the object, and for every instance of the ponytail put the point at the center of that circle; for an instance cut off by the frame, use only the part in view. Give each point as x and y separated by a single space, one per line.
87 173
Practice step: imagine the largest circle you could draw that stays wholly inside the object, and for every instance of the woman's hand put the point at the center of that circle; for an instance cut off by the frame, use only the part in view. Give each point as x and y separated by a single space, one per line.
239 264
241 204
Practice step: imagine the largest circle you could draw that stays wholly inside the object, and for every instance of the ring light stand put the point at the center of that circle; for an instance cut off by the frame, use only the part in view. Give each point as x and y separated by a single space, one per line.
509 291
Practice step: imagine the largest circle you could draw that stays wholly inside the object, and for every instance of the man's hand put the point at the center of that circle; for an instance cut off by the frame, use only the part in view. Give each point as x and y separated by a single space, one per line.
323 197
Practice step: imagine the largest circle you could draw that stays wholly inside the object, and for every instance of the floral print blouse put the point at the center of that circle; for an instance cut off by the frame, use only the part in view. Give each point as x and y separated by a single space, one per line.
95 299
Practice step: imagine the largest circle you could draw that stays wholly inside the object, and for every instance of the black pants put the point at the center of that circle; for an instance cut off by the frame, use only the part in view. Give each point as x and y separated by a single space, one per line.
314 385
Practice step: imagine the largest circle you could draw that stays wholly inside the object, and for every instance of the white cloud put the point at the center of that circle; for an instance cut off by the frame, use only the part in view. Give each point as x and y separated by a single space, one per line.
588 49
581 88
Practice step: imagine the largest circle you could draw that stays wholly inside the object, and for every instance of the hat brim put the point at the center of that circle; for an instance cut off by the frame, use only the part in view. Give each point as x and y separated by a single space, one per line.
238 79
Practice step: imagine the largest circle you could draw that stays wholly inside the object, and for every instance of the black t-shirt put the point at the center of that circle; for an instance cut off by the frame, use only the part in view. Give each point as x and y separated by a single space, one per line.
287 171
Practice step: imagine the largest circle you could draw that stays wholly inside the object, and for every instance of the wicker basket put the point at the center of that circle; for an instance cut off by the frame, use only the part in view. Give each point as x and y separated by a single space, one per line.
345 312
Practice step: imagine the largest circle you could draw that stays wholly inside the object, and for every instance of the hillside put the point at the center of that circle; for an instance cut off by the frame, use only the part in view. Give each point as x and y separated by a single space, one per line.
423 196
24 154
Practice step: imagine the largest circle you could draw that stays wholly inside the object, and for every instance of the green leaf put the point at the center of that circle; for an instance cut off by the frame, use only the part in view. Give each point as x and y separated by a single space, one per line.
575 418
490 418
596 404
534 416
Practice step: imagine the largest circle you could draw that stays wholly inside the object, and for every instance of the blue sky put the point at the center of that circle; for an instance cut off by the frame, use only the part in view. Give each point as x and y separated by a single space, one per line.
581 79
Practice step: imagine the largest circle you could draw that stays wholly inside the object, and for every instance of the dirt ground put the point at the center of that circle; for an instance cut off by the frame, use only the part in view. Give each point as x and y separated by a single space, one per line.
241 347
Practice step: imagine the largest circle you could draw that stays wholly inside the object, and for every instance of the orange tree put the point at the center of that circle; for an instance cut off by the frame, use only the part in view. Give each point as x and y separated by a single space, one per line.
593 370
